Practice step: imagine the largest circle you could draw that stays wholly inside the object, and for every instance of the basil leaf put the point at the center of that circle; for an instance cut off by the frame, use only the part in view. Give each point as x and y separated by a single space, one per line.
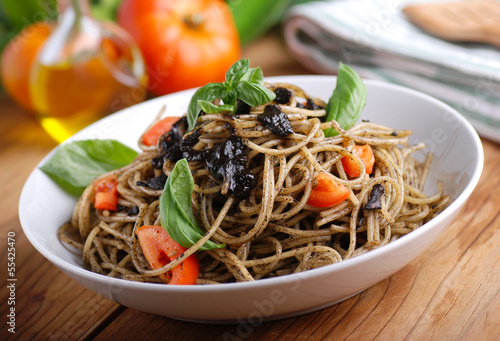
230 98
182 188
347 101
254 75
176 213
75 165
210 108
242 82
236 71
207 93
253 94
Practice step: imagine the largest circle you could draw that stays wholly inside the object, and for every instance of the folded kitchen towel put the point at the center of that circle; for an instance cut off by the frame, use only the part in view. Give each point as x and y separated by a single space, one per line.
377 40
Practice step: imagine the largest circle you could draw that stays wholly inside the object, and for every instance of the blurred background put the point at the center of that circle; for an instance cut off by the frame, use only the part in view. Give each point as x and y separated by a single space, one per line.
70 62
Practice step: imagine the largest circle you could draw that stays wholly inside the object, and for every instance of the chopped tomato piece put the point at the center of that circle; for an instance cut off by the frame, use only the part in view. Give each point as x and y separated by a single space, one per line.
365 153
106 193
159 249
327 192
151 137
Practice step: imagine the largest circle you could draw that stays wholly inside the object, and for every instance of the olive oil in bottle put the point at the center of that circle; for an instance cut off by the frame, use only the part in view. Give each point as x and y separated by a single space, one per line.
84 71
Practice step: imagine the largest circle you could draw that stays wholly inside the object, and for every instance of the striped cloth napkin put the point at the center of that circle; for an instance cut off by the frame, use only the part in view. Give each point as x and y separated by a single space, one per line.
377 40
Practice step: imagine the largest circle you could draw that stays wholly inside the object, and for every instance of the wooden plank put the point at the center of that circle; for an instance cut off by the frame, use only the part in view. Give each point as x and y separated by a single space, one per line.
161 327
49 305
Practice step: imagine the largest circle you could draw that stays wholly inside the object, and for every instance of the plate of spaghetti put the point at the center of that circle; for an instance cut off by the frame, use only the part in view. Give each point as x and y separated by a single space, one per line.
253 199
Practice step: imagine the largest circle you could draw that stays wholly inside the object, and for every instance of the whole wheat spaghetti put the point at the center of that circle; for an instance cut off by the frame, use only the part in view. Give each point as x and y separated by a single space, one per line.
272 231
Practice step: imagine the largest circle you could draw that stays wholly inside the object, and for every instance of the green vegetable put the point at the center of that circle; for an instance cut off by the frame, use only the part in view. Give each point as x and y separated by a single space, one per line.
242 82
176 213
75 165
254 18
347 101
19 14
254 75
105 9
206 106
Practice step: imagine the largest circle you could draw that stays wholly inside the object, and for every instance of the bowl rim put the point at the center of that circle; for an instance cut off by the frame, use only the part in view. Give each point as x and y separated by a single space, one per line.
88 275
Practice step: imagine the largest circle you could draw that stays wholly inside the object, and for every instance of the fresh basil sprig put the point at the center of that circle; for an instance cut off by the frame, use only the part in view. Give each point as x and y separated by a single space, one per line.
176 213
242 82
75 165
347 101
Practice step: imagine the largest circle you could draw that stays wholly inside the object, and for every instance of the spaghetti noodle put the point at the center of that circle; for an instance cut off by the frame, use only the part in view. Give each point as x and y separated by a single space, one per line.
272 231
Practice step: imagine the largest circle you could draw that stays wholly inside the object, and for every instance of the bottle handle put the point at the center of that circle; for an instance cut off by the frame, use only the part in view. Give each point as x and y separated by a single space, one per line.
122 55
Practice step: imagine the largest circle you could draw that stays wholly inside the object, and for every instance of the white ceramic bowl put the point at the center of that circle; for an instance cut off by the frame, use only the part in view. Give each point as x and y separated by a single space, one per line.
458 162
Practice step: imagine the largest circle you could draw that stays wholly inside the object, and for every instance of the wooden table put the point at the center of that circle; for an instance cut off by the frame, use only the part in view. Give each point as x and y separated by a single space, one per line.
451 292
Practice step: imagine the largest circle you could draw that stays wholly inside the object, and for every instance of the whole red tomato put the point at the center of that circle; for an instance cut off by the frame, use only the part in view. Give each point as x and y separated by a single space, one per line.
17 58
185 43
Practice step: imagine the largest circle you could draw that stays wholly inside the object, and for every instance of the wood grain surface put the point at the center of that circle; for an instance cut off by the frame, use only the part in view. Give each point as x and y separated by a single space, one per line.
451 292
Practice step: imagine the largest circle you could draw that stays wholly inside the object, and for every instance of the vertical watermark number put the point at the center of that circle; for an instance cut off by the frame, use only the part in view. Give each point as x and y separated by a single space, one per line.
11 280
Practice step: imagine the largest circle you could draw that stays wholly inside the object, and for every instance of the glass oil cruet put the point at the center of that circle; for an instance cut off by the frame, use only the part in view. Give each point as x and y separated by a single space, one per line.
85 70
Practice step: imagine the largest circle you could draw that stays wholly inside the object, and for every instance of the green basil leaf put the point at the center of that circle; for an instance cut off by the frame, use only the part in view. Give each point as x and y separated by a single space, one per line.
176 213
254 94
236 71
207 93
254 75
210 108
230 98
242 82
181 185
347 101
75 165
